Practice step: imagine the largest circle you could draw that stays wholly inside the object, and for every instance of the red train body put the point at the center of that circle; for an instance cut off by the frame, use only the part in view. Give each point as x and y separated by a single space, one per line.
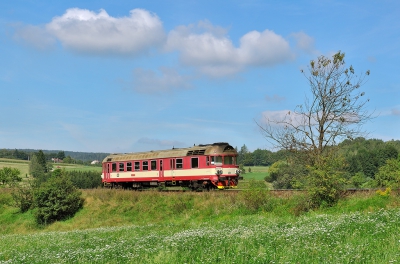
199 167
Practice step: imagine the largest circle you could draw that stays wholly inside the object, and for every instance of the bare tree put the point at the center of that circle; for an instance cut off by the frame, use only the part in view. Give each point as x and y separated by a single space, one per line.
335 110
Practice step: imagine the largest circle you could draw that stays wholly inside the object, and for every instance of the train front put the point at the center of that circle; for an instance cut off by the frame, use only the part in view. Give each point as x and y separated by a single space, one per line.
223 159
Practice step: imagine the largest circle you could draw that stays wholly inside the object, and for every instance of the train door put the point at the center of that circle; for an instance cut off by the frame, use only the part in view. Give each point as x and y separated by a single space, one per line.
107 171
161 171
172 167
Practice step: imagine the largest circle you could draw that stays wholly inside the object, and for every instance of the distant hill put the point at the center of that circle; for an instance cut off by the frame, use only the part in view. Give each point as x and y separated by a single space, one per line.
83 156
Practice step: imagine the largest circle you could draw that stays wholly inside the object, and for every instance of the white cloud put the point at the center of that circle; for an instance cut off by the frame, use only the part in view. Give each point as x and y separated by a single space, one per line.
148 81
304 42
275 118
85 31
213 53
36 36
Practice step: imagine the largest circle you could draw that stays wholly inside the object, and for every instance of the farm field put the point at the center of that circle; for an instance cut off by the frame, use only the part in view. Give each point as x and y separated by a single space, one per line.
118 226
256 173
23 166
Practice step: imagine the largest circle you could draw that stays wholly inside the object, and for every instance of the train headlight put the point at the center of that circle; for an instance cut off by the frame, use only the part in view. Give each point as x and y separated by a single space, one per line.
219 172
237 172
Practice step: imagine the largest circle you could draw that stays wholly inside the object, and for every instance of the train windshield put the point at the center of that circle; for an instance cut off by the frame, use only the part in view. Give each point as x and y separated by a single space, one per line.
229 160
226 160
218 160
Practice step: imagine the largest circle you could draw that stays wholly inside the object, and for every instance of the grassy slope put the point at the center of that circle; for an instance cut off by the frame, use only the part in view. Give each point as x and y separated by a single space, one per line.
152 227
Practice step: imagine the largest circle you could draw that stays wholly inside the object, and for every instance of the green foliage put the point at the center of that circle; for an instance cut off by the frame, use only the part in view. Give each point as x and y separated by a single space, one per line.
367 156
389 174
35 168
13 154
9 176
56 199
358 180
60 155
326 181
41 160
23 196
287 176
242 169
85 179
256 197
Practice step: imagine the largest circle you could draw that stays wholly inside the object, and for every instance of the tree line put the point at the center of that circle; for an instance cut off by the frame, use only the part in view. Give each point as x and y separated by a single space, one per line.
66 156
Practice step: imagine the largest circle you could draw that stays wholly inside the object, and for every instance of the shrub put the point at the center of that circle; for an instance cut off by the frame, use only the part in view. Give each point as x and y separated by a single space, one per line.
57 199
9 176
286 176
257 197
23 196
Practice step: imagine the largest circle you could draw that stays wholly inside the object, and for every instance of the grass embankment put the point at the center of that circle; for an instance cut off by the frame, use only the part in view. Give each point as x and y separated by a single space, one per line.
217 227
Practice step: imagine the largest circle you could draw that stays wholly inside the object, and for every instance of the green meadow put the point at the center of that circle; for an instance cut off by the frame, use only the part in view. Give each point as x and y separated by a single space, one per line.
252 226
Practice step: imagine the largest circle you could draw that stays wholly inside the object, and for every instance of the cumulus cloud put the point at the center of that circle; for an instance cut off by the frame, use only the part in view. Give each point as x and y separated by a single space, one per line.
35 36
167 79
85 31
304 42
204 48
276 118
210 50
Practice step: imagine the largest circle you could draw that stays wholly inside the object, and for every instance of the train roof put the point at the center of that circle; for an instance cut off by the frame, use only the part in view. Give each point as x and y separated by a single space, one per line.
203 149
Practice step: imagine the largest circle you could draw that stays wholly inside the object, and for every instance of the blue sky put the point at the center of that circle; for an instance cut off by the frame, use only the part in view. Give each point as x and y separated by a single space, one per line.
123 76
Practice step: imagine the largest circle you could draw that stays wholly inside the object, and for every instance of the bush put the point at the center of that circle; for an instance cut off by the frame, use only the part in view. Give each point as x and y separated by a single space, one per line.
57 199
257 197
286 176
23 196
325 187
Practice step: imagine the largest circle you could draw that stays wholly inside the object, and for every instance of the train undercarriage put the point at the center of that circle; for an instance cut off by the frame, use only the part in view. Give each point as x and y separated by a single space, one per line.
194 185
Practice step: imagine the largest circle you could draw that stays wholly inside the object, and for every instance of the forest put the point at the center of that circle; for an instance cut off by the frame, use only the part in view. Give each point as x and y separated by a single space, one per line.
366 163
66 156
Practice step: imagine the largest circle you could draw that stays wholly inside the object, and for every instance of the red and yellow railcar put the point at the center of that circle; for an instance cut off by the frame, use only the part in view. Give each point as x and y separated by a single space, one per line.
203 166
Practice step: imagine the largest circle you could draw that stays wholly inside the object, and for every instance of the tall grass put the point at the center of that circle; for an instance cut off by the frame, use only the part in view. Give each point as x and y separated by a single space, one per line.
344 238
253 226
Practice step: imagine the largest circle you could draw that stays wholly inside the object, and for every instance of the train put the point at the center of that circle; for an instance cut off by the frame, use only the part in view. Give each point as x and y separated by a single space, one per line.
201 167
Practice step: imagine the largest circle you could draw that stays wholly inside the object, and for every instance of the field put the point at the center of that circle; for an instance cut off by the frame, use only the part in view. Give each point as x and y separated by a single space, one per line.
118 226
255 172
22 165
251 226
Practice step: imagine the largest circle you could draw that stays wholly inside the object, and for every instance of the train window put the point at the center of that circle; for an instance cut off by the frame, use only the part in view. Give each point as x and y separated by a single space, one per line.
228 160
212 160
179 163
114 167
145 165
195 162
121 167
129 166
208 161
218 160
153 165
137 165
